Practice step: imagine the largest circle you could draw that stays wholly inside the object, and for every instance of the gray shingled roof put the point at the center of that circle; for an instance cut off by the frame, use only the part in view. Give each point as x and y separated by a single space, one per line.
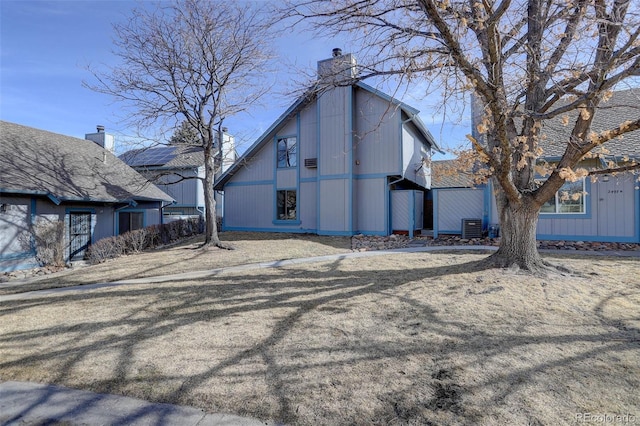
446 174
169 157
623 105
68 169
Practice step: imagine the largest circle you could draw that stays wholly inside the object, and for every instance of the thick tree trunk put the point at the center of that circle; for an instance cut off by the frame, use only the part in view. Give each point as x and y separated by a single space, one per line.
518 245
211 226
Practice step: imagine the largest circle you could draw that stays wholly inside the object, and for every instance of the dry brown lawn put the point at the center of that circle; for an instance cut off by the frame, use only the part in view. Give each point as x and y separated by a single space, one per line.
429 338
248 247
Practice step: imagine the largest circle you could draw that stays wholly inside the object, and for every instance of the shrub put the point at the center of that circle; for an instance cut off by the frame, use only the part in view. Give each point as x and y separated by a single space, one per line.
143 239
49 240
136 241
106 248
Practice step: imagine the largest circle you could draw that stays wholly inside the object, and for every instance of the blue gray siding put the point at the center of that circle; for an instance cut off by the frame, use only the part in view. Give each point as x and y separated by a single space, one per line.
372 206
415 156
452 205
249 207
376 149
335 179
611 214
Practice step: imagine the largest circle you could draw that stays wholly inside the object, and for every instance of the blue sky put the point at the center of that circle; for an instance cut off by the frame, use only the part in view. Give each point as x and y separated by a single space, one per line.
46 47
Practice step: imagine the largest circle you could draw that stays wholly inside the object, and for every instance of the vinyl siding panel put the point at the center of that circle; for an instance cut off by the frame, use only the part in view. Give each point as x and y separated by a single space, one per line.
249 206
611 213
308 142
286 178
186 192
413 152
334 130
376 146
260 167
453 205
400 210
290 128
334 206
307 201
370 202
14 225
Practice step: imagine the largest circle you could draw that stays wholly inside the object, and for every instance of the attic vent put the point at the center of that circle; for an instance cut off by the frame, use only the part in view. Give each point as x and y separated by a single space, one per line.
471 228
311 163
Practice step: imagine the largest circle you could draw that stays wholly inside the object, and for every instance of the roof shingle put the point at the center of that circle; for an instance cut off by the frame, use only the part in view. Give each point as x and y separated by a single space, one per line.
67 168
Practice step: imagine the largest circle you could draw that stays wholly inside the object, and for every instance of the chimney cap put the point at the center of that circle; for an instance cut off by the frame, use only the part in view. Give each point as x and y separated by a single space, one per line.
336 52
100 128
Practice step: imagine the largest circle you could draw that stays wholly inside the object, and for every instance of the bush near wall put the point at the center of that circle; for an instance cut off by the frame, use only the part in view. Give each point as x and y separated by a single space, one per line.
143 239
49 242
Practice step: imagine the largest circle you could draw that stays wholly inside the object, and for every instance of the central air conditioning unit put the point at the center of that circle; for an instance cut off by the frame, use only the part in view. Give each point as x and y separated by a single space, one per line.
471 228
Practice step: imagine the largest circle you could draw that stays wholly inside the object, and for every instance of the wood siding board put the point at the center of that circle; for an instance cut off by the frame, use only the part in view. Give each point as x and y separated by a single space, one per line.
612 213
457 204
400 210
259 167
249 206
334 214
413 150
286 178
370 201
376 144
307 144
308 209
14 225
335 144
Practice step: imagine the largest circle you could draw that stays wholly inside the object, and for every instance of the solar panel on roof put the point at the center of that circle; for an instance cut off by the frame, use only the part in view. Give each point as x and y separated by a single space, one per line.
150 157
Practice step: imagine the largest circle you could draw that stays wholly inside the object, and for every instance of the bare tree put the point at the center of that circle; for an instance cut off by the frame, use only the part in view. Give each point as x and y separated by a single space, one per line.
194 60
526 62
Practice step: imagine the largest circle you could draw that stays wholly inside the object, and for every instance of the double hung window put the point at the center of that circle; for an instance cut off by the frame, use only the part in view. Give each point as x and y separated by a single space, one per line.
287 152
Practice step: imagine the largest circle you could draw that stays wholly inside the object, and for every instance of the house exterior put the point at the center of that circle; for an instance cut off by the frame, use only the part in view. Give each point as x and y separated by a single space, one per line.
48 177
455 197
606 209
179 171
331 163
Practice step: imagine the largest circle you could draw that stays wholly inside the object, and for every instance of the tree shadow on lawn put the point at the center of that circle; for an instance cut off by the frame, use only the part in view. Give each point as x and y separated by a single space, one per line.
301 293
72 278
76 277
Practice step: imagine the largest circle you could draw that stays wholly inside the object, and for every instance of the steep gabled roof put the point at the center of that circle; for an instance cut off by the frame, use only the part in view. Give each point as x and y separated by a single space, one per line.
165 157
623 105
65 168
298 106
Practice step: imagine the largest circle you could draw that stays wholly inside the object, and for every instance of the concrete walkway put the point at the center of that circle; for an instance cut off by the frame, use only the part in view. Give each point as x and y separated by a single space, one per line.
24 403
280 263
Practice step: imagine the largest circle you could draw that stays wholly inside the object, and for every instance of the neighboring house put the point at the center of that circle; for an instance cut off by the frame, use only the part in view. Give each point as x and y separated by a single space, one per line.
179 171
50 177
607 209
340 161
